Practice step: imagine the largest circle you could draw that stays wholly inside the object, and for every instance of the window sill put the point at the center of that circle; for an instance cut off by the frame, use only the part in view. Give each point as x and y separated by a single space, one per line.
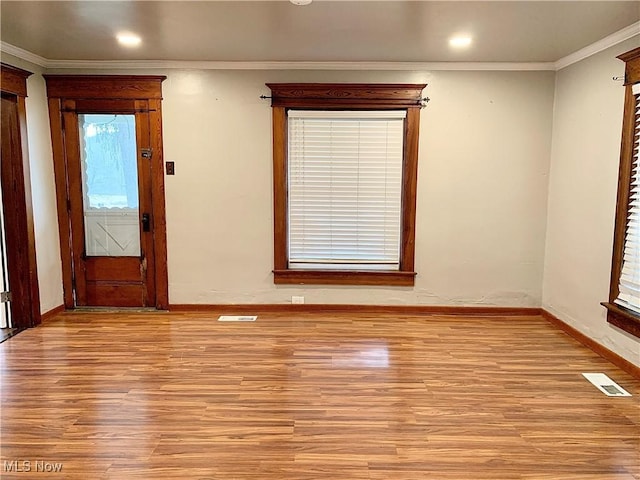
622 318
343 277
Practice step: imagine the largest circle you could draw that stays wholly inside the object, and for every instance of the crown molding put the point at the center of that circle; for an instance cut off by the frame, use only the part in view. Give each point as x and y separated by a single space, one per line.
214 65
596 47
370 66
23 54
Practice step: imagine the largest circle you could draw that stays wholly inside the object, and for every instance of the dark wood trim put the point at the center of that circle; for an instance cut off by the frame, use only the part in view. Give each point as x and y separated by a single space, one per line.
16 178
632 67
630 55
623 318
74 203
118 106
351 97
346 95
105 86
14 80
62 197
343 277
147 242
598 348
70 93
409 191
280 260
158 205
624 191
358 309
50 314
618 316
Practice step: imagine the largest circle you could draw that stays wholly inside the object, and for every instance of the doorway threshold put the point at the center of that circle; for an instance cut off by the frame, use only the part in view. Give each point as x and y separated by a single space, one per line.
7 333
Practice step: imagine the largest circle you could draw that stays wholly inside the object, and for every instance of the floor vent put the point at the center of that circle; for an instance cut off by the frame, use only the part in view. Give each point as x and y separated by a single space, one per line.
607 386
237 318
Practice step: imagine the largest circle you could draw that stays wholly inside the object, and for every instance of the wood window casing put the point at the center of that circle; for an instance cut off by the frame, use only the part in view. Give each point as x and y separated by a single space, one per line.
321 96
617 315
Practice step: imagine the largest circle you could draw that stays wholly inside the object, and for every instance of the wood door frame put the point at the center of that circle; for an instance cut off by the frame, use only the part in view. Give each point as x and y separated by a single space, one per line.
108 87
86 291
25 288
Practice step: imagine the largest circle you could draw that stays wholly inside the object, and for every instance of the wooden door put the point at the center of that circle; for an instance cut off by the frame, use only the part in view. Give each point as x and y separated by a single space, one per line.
111 209
19 239
110 202
11 151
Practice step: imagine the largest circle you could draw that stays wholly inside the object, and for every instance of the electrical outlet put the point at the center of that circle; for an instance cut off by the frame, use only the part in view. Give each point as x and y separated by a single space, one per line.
296 299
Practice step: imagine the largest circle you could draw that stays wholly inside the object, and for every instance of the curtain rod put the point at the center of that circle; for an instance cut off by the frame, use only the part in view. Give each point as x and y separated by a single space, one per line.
422 102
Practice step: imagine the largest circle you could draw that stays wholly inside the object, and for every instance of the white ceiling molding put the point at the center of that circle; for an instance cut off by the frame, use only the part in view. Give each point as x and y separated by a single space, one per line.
23 54
371 66
609 41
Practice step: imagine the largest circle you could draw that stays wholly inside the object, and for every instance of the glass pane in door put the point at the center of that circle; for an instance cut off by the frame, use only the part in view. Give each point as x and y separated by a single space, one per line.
110 184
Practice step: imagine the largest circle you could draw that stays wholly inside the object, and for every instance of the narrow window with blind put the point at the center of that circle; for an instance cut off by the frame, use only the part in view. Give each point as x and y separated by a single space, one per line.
624 295
345 172
629 283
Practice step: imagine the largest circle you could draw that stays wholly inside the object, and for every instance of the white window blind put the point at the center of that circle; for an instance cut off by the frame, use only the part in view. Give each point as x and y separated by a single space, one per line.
345 189
629 285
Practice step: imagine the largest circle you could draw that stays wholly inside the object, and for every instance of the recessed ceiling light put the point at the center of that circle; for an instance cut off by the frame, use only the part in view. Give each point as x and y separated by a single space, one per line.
128 39
460 41
301 2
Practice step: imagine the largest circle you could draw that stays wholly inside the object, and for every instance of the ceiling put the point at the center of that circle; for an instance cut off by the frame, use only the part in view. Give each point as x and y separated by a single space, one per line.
325 31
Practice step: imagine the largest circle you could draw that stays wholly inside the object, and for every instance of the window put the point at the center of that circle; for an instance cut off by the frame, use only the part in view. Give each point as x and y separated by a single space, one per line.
345 186
345 169
624 295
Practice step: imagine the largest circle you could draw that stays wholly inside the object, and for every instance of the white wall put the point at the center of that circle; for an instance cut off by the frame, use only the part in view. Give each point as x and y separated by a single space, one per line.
482 188
587 126
42 187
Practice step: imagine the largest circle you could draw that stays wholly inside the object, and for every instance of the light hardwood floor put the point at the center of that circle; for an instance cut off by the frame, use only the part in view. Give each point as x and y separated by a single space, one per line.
310 396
